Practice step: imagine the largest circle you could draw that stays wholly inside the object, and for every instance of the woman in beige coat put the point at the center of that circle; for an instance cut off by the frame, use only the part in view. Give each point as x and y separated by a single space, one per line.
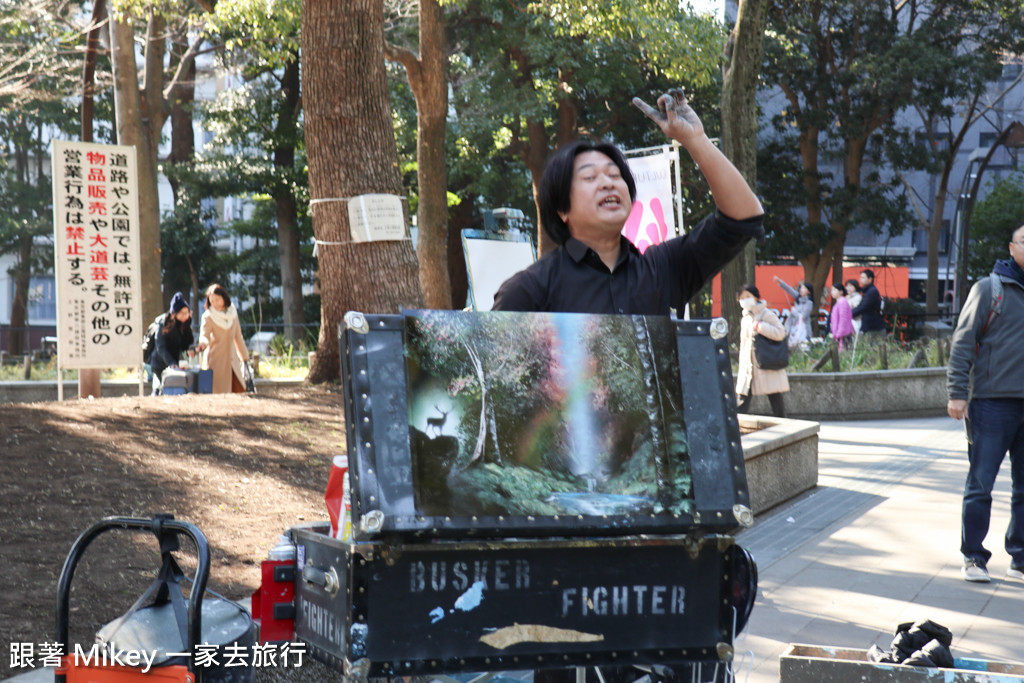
220 336
750 379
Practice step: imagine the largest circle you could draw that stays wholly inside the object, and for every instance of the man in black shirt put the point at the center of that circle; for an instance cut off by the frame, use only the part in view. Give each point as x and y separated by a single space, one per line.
585 197
870 307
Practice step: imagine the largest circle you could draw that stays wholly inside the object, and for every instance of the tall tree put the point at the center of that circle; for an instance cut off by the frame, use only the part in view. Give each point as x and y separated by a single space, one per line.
351 150
141 111
37 78
839 66
27 223
428 79
958 50
744 52
265 47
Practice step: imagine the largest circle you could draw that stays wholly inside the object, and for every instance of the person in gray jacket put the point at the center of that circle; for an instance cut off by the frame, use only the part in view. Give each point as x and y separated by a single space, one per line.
985 383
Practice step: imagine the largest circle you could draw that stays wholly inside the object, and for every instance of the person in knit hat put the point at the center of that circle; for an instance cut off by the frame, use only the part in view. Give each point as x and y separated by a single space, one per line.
220 336
174 339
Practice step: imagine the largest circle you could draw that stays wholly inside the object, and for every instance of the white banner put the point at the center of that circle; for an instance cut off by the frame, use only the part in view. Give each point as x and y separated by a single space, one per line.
97 263
652 220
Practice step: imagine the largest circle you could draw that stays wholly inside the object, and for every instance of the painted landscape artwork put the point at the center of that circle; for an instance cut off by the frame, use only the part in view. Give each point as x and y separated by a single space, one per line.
546 414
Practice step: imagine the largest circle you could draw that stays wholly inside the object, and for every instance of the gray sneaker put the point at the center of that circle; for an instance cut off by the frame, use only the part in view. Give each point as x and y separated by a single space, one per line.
974 571
1015 573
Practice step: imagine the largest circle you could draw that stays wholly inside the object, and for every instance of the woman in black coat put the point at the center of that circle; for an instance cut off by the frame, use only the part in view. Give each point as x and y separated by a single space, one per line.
174 339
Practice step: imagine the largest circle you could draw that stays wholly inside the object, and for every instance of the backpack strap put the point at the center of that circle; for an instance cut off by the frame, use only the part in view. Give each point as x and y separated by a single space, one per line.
995 304
995 283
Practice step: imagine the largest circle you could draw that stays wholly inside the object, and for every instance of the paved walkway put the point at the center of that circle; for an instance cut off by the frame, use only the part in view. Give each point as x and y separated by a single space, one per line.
875 545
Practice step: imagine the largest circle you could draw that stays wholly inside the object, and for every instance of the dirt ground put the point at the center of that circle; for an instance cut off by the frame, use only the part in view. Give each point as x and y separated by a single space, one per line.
242 468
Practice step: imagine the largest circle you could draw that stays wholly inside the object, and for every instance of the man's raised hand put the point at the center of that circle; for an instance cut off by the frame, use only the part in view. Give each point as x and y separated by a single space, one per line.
673 115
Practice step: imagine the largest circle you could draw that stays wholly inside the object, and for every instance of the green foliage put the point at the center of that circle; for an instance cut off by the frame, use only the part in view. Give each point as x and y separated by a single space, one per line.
259 263
281 347
508 73
993 221
267 28
39 42
26 192
186 243
866 356
256 152
903 318
239 158
785 198
682 46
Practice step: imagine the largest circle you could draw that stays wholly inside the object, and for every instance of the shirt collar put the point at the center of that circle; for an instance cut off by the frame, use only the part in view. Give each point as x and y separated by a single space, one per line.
577 250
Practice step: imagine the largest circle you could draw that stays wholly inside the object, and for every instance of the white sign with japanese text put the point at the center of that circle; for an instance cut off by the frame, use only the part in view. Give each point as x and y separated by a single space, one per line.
375 217
97 255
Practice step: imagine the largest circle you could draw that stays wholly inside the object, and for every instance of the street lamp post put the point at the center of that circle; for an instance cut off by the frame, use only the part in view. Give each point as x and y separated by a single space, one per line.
1011 137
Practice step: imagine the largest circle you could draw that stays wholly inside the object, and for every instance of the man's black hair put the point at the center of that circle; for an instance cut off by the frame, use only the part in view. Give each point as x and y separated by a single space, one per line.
870 273
556 183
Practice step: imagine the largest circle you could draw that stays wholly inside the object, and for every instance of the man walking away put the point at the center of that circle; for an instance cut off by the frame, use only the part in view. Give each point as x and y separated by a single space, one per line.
985 382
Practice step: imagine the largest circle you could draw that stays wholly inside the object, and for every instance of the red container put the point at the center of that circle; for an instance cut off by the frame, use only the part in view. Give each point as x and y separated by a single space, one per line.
273 604
122 674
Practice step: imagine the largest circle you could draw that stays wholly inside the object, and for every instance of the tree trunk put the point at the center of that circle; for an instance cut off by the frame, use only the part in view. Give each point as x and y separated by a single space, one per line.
19 341
817 266
183 137
351 151
932 284
92 46
932 296
432 179
739 133
288 243
837 267
131 131
458 276
535 156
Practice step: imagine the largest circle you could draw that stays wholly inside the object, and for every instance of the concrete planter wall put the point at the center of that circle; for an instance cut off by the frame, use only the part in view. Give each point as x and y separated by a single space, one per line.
781 458
863 395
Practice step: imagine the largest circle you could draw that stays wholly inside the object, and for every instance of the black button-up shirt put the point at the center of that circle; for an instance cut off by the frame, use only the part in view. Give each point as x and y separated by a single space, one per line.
573 279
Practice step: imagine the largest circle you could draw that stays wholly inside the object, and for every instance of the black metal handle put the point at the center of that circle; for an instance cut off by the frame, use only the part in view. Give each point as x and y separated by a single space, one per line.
158 525
328 580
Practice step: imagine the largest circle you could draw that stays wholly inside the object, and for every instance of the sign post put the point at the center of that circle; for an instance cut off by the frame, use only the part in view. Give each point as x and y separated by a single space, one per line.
97 262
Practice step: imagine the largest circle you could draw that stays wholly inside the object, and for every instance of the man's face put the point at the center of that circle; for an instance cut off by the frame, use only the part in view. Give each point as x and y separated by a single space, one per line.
865 280
599 201
1017 246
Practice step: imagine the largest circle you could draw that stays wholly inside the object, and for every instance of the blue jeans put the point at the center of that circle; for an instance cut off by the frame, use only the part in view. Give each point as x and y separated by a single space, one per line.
996 426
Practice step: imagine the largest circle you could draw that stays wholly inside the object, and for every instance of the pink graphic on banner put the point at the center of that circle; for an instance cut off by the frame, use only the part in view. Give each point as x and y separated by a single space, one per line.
646 225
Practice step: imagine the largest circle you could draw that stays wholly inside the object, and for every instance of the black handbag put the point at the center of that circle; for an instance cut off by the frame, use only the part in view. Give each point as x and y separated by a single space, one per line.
770 354
250 382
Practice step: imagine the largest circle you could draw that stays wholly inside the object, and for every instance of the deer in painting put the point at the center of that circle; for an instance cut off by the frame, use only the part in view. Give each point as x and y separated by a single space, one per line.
437 423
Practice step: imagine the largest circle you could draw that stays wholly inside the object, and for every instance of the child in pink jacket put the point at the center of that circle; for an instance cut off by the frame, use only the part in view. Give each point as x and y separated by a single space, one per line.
841 318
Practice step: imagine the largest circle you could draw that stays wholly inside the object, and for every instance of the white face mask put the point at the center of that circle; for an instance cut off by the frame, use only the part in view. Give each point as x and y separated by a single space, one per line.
748 302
